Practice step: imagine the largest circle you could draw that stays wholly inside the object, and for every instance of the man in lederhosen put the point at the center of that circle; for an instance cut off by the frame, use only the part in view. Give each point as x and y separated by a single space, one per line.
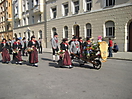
75 47
54 44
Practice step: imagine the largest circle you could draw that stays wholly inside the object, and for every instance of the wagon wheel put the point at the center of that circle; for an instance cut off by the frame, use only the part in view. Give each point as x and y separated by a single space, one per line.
97 64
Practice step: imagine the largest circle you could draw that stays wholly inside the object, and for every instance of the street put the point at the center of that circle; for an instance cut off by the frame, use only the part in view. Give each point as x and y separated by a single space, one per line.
48 81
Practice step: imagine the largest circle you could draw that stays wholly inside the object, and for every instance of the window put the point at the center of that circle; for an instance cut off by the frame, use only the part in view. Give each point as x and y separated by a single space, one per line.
39 18
20 35
53 31
32 19
65 9
110 29
88 30
66 32
54 13
36 2
24 21
76 6
18 23
88 5
32 4
32 32
27 20
110 3
40 34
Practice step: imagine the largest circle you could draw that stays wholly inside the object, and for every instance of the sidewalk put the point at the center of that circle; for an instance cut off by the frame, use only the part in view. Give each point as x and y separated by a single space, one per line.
118 55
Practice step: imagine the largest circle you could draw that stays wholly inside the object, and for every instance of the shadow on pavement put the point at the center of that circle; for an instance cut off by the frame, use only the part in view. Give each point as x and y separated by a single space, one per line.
46 59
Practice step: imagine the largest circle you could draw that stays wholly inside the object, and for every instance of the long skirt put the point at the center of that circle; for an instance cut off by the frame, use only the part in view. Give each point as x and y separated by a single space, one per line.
67 59
17 56
33 56
5 55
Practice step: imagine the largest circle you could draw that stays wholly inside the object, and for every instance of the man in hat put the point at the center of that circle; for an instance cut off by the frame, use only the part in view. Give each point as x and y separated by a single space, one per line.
75 47
33 54
54 44
17 51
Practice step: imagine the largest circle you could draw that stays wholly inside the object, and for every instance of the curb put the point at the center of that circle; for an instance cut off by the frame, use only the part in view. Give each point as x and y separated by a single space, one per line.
120 58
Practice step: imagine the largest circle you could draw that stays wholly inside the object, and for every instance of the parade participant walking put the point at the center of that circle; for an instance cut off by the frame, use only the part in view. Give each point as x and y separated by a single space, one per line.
54 44
17 47
4 51
75 47
33 54
110 48
66 57
24 46
40 45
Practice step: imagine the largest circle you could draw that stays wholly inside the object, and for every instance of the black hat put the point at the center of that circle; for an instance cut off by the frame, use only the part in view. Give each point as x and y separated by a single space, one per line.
55 34
65 39
74 37
33 37
24 38
17 39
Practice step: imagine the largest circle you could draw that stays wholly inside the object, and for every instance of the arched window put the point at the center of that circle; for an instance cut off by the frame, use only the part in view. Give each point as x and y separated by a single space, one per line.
66 32
28 35
88 30
40 34
110 29
20 35
53 31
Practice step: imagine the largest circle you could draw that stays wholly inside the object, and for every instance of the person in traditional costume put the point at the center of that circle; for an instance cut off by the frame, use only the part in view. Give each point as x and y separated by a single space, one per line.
24 46
75 47
87 48
54 44
5 51
33 53
17 47
64 46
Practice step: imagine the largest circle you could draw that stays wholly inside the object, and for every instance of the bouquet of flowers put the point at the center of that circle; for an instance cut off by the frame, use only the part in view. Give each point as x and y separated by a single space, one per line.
29 49
60 52
15 50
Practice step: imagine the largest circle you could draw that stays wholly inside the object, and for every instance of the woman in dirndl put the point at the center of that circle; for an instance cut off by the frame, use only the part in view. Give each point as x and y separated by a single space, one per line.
33 53
5 51
66 58
17 47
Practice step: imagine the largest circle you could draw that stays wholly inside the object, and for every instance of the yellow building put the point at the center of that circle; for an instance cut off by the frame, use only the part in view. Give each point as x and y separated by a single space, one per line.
6 19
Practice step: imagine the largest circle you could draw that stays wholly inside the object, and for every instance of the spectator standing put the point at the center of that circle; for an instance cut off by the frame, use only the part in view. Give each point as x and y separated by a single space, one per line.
54 44
40 45
110 47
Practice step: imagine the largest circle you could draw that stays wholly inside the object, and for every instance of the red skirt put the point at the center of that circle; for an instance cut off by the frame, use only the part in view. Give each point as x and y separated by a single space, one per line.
17 56
67 59
33 56
5 55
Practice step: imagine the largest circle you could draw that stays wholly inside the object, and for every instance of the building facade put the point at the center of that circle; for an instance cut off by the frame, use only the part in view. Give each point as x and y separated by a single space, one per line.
29 19
91 18
6 30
